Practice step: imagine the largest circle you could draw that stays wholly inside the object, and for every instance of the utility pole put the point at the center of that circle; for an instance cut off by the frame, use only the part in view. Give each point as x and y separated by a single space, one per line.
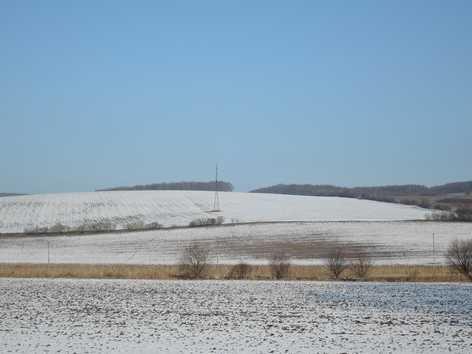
434 248
49 252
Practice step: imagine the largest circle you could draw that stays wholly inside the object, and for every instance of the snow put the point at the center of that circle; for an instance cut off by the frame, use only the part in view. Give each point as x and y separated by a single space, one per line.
179 208
123 316
407 242
273 222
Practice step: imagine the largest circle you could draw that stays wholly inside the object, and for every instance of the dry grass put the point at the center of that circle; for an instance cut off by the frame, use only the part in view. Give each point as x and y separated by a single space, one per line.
390 273
88 271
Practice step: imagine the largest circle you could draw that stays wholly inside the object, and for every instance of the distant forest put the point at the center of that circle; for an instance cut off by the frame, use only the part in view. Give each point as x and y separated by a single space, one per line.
177 186
412 194
362 192
10 194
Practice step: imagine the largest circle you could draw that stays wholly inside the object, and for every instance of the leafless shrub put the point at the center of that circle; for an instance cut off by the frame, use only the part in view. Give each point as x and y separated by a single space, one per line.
425 203
54 229
442 207
197 222
95 226
440 216
360 265
463 214
207 221
36 230
412 273
239 271
152 226
459 256
336 262
194 262
58 227
137 225
140 225
460 214
279 265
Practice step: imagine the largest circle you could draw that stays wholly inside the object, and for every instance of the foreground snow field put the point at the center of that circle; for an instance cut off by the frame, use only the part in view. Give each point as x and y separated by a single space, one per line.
388 242
238 317
179 208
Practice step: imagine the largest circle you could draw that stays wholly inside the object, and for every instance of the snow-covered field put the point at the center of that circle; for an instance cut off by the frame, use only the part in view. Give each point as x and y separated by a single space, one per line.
233 317
179 208
408 242
386 230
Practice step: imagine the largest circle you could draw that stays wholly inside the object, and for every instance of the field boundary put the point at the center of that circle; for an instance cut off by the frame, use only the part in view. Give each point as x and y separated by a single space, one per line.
167 228
378 273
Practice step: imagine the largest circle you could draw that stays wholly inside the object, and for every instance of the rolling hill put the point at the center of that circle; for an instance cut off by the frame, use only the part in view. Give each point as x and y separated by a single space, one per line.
119 210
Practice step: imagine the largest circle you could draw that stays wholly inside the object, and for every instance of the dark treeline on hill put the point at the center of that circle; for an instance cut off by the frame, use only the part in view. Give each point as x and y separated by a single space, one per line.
412 194
177 186
456 187
361 192
10 194
384 192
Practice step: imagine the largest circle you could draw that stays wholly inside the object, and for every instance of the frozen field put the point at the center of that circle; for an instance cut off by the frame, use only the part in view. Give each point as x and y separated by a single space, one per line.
237 317
386 230
179 208
388 242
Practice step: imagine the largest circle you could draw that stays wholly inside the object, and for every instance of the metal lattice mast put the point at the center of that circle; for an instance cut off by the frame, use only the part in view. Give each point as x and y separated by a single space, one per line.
216 201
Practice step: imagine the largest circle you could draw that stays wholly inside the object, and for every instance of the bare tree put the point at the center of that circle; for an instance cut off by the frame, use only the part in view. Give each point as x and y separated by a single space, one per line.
336 262
239 271
361 264
459 256
194 261
279 265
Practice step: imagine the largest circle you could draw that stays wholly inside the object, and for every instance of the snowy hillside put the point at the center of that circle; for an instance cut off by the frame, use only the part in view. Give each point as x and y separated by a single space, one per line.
179 208
404 242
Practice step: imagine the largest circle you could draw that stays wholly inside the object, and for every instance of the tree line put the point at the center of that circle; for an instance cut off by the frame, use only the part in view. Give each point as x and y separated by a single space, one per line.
221 186
409 194
195 262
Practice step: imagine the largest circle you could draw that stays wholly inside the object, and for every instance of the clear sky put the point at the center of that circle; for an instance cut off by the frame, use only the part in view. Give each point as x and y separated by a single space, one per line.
104 93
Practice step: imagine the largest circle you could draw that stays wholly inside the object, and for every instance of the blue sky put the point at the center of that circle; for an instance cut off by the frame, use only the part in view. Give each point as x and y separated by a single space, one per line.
105 93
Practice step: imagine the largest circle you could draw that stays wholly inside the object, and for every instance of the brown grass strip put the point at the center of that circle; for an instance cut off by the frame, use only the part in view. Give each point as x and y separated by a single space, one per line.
384 273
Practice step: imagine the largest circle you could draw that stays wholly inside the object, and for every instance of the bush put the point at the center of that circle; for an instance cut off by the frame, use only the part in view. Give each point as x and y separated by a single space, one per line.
194 261
91 226
279 265
56 228
94 226
408 201
36 230
459 256
442 207
361 265
239 271
460 214
425 203
336 262
463 214
137 225
207 221
152 226
140 225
